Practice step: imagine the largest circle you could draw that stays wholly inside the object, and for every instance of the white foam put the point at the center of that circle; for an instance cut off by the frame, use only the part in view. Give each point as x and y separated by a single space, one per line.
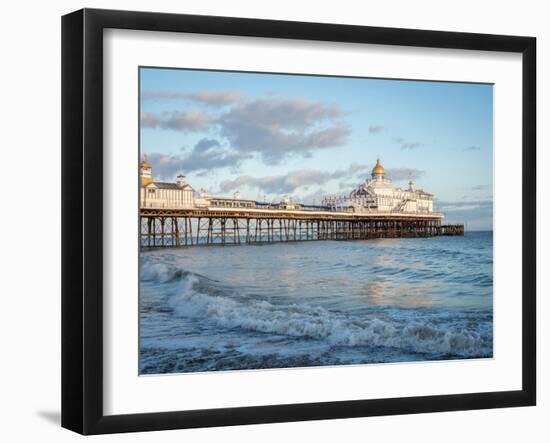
158 272
320 324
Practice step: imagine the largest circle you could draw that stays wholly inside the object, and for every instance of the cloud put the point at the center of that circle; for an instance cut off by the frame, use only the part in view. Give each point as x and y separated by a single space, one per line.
149 120
476 214
347 186
313 198
293 113
165 166
206 155
186 121
357 167
272 128
211 98
276 128
463 205
400 174
209 154
411 145
481 187
404 144
376 129
472 148
288 183
204 144
216 98
278 184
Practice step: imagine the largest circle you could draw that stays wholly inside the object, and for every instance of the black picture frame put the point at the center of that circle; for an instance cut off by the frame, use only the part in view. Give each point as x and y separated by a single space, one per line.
82 218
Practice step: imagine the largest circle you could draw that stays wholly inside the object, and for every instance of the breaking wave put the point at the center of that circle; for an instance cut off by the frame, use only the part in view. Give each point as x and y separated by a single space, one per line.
316 304
193 299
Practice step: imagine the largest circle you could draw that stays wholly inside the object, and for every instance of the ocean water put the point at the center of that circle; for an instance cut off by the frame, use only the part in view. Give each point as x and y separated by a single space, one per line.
316 303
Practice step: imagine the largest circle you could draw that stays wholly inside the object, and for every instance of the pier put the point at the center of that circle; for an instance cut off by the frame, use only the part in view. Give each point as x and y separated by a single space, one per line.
161 227
174 214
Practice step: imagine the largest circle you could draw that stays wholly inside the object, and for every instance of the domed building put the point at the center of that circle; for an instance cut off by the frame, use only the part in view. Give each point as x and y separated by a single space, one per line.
378 194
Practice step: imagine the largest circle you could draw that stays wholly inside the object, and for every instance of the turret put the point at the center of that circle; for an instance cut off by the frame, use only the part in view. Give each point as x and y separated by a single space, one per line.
181 180
145 172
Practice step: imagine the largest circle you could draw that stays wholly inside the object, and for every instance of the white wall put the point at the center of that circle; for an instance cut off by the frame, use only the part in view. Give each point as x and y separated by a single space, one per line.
30 277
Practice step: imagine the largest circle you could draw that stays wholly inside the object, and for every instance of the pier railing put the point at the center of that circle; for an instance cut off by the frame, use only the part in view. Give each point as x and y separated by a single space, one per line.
193 227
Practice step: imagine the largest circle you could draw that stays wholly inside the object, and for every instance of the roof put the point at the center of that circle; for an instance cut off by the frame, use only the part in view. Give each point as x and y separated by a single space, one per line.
163 185
231 199
378 168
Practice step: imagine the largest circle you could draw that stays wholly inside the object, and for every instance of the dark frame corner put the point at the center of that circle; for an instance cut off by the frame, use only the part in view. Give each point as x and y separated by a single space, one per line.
82 152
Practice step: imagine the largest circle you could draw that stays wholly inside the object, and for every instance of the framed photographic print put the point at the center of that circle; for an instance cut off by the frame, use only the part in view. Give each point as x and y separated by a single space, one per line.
269 221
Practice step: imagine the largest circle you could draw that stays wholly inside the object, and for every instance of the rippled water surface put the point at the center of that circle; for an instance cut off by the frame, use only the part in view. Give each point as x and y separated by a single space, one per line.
316 303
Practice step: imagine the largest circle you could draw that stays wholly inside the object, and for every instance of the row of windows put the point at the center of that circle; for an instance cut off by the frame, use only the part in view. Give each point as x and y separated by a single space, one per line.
231 204
162 194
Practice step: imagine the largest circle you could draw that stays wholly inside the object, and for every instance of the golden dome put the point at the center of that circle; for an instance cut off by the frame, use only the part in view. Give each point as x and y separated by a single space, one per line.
144 164
378 169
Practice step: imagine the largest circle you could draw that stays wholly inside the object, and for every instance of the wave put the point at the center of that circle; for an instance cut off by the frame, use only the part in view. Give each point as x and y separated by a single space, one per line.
163 273
193 299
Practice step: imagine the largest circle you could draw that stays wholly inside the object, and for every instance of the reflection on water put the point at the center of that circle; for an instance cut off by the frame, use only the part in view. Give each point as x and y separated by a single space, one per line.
316 303
414 294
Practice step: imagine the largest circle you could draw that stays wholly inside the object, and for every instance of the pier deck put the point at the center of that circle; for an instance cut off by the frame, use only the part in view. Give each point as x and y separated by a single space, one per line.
165 227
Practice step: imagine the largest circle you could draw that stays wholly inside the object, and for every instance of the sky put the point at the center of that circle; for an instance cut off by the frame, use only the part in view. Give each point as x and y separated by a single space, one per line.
274 135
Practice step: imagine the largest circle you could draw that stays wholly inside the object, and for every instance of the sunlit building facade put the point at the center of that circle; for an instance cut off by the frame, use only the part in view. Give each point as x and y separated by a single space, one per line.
378 194
158 195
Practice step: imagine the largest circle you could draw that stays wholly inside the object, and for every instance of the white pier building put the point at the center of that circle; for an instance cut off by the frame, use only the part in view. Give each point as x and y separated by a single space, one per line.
159 195
378 194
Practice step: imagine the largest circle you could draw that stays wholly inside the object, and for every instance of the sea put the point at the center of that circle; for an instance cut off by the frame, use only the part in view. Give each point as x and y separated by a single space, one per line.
316 303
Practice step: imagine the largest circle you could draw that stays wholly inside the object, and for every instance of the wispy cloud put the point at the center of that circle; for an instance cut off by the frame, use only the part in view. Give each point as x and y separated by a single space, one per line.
288 183
411 145
271 128
206 155
481 187
347 185
405 144
313 198
472 148
216 98
277 184
463 205
478 214
165 166
211 98
376 129
186 121
400 174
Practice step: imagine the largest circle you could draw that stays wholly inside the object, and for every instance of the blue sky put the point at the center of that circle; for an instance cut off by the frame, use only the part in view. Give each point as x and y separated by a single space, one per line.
307 136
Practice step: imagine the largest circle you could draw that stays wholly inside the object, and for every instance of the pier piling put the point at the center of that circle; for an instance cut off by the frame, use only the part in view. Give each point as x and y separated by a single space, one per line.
193 227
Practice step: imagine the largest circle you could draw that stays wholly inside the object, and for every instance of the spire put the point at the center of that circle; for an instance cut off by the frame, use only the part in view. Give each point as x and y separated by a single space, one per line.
180 172
181 180
411 182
